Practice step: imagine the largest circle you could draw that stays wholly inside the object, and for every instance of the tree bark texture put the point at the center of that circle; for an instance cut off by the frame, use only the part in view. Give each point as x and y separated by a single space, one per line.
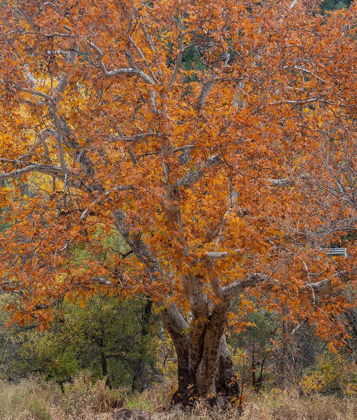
209 372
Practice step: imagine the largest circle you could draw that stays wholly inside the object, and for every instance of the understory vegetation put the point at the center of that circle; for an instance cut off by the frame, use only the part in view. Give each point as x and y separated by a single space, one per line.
86 366
36 399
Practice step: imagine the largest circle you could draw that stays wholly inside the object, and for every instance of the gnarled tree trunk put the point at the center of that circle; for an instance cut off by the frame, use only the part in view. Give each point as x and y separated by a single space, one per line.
205 365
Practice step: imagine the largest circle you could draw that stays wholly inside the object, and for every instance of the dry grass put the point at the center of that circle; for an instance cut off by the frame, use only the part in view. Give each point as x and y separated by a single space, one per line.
276 405
289 406
81 400
33 399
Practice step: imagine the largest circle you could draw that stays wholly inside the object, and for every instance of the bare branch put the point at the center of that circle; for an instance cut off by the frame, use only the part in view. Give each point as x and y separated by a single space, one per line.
221 255
178 61
216 287
136 137
232 199
44 169
102 197
296 329
143 59
253 279
121 71
301 101
63 82
280 182
68 138
152 101
34 92
151 45
239 286
308 72
61 157
180 149
193 177
102 280
41 140
321 287
206 89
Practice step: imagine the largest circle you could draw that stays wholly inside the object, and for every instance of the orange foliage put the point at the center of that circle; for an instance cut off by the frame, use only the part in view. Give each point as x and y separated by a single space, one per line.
238 163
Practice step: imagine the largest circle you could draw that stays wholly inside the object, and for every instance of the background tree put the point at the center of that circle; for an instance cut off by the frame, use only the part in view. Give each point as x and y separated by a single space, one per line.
104 338
205 173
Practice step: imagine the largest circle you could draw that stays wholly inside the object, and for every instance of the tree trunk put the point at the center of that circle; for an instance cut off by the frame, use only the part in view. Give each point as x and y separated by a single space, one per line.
226 382
212 377
217 388
205 366
140 376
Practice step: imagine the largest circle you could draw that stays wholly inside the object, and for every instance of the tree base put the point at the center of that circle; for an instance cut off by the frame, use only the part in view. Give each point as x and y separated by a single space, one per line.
189 396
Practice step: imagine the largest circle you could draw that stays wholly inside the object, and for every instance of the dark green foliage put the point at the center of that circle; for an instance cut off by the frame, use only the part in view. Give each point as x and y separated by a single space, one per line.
191 60
278 352
335 4
257 343
109 338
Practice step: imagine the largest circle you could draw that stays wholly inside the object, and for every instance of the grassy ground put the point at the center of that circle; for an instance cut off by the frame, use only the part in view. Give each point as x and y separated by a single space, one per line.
33 399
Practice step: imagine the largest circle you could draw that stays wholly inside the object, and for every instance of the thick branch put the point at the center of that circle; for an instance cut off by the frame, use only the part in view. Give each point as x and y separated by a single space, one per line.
173 320
321 287
206 89
207 369
143 59
240 285
280 182
220 255
66 135
139 247
178 62
193 177
44 169
253 279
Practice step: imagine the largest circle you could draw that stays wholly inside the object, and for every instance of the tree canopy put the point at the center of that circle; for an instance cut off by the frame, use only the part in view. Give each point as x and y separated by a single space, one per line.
127 166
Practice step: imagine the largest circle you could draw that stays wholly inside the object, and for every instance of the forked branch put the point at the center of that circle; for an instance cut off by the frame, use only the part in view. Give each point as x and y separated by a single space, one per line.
133 71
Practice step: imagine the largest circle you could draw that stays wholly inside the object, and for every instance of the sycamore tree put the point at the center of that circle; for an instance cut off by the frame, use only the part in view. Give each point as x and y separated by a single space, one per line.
171 149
